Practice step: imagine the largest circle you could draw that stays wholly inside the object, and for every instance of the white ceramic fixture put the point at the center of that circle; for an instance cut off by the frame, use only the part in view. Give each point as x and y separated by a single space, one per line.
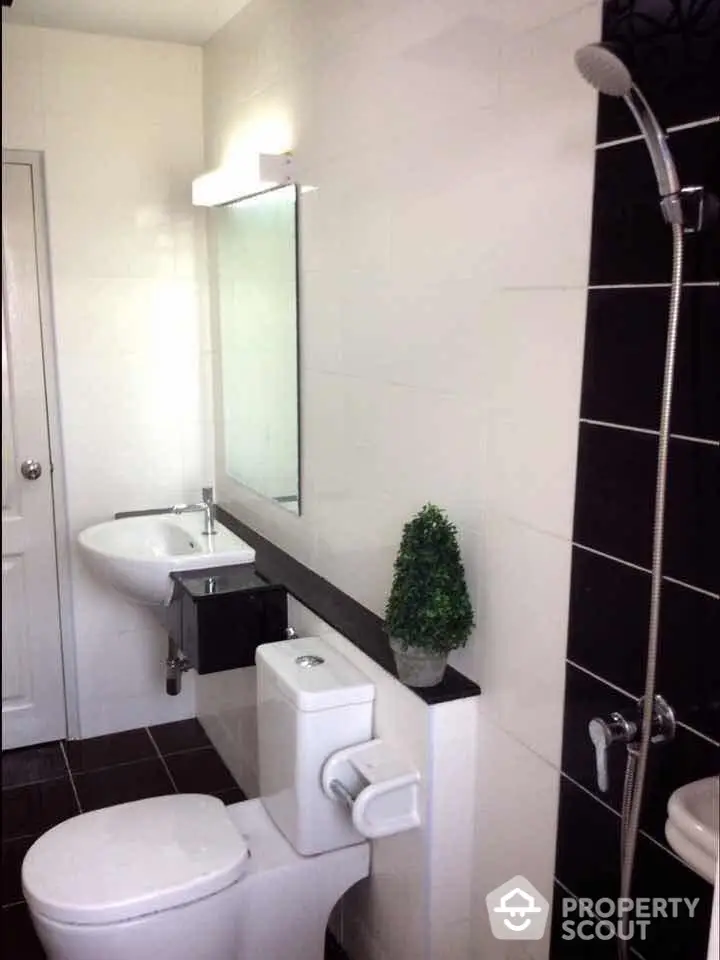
185 877
136 555
692 825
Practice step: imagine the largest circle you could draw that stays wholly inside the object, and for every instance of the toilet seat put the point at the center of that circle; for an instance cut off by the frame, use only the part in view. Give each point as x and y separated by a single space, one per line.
133 859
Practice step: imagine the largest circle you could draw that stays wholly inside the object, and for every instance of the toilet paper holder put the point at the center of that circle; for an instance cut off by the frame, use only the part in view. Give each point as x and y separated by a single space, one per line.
377 785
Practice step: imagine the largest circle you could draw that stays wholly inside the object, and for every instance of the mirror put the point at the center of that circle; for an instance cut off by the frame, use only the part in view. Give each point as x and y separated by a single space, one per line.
257 266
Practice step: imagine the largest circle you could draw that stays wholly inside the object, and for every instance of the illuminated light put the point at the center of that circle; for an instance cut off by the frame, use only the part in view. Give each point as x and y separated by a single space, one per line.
233 182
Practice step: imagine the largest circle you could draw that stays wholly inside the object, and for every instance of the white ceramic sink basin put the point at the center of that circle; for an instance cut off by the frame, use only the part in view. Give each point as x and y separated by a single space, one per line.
136 555
692 825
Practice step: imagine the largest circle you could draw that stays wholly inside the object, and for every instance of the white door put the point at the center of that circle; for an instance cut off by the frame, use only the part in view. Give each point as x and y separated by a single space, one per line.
33 696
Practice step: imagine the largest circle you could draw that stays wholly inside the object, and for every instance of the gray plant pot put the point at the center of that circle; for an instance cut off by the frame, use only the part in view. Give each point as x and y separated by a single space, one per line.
416 666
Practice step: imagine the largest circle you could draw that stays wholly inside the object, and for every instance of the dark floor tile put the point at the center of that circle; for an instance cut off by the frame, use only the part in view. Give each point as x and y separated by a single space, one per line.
200 771
179 736
13 853
672 48
121 784
235 795
624 360
108 751
630 241
692 514
19 940
30 810
31 764
615 495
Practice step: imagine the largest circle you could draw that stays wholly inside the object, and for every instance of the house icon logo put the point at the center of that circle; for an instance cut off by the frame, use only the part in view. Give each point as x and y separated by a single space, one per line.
517 911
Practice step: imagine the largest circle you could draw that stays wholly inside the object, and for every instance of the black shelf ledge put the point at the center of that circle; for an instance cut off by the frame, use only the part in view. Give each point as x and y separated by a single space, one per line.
351 619
355 622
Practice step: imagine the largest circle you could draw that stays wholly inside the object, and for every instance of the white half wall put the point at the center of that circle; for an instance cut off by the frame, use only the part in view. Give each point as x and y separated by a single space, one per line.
419 894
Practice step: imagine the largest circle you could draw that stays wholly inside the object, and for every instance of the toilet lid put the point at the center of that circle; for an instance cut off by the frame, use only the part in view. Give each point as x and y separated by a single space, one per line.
133 859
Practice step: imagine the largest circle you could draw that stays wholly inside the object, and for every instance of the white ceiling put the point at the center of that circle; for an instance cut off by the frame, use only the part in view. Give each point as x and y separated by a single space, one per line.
181 21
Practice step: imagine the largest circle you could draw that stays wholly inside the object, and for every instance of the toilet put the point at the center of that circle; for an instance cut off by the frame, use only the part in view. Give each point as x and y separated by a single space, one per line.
184 877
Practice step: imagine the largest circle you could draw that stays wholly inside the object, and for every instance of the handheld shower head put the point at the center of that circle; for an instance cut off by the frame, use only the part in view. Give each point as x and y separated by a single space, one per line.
603 69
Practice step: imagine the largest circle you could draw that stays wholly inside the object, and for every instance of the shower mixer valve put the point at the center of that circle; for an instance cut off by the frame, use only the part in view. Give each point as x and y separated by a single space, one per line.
603 733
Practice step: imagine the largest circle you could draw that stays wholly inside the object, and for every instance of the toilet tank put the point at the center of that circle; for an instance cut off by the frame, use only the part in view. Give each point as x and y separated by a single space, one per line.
311 702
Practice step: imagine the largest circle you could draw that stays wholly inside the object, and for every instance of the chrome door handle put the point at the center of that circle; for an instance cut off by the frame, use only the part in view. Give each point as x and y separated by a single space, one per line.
31 469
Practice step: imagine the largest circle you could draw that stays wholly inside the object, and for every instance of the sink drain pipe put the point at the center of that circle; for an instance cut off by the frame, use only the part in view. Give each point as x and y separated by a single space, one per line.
175 665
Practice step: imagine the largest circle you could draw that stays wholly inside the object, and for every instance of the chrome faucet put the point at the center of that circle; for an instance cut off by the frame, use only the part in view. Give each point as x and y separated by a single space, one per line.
207 506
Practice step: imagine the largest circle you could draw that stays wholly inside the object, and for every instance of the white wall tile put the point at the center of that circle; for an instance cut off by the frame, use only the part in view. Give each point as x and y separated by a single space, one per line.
453 755
547 121
534 400
120 123
444 257
227 709
23 114
513 834
517 654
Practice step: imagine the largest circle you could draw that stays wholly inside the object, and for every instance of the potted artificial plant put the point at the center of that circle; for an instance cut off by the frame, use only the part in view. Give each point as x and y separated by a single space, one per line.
428 612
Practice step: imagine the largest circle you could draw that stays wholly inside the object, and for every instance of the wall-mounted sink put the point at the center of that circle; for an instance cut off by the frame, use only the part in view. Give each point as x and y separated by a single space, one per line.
692 825
136 555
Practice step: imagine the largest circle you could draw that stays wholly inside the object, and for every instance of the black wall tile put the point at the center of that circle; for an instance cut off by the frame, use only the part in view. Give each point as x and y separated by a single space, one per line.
672 48
585 698
588 861
608 635
625 343
624 356
614 499
692 518
696 394
660 874
615 502
689 667
630 241
686 758
609 618
563 948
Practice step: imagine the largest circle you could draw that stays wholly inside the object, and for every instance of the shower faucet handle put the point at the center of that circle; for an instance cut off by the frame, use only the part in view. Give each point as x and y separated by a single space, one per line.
603 733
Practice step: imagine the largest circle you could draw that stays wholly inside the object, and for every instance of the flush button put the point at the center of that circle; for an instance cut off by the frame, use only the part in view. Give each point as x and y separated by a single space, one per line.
308 660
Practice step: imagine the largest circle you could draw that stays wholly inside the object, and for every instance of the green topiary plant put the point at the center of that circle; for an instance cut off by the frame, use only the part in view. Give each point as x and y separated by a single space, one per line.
429 606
